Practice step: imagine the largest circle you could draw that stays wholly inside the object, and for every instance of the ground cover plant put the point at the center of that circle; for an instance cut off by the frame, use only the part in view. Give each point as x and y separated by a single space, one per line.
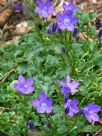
51 79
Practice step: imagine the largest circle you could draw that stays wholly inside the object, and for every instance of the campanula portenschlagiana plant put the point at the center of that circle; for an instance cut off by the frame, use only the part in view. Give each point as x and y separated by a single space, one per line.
66 108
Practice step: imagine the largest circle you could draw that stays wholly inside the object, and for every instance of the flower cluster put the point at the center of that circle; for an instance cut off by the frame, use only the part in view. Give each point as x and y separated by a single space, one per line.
66 20
44 104
70 106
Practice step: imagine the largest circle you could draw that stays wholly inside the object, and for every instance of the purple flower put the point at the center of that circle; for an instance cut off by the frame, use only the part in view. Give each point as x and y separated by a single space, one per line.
19 7
69 86
31 125
70 107
44 8
70 9
90 112
43 104
49 30
66 21
24 86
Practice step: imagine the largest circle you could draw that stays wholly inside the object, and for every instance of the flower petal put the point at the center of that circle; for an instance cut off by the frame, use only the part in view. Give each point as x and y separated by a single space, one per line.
60 17
73 20
93 107
48 3
21 79
70 28
74 84
40 3
49 102
65 7
16 86
74 109
70 113
40 110
42 96
87 115
37 10
51 10
94 117
65 90
36 103
28 90
48 109
29 81
74 102
68 79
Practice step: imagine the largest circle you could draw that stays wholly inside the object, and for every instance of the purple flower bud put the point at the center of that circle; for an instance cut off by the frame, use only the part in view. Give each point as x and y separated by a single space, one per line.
63 50
54 27
59 30
19 7
65 99
81 111
75 31
75 34
99 33
31 125
49 31
66 110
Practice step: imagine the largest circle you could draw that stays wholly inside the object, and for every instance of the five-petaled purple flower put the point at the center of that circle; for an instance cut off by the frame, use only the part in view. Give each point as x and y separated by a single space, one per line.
70 106
90 112
70 8
44 8
24 86
69 86
44 104
67 21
